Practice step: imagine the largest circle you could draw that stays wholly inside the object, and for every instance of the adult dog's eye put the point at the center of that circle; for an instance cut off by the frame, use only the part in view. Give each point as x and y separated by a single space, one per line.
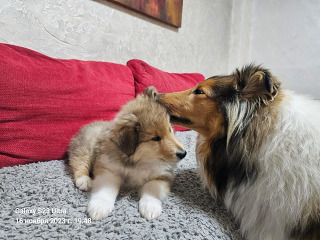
197 91
156 138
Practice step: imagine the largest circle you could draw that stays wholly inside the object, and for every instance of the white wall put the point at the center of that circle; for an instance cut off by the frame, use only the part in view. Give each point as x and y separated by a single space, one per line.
285 37
100 30
240 33
216 35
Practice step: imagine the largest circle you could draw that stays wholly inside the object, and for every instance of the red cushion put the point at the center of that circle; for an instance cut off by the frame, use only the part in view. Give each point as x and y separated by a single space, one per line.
45 101
146 75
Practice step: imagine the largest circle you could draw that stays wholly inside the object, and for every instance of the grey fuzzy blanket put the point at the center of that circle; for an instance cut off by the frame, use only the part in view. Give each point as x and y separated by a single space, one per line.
40 201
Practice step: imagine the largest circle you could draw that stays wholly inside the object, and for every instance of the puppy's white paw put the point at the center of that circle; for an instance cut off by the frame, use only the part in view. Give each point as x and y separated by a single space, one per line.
84 183
99 208
150 207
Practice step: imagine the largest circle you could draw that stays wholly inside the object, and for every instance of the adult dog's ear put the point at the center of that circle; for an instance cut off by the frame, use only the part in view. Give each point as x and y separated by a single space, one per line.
126 134
151 93
255 82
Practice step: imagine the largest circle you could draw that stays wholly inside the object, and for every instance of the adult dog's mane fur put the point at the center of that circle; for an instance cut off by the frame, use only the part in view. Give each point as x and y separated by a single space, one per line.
234 161
229 158
258 151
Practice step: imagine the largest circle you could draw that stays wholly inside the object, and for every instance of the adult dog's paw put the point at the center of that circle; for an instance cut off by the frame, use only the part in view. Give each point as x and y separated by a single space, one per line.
99 208
150 207
84 183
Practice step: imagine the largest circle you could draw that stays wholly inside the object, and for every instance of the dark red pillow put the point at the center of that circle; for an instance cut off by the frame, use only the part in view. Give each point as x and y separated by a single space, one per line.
146 75
45 101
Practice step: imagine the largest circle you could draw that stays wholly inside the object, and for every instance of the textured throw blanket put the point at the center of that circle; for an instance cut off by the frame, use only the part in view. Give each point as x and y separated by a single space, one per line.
40 201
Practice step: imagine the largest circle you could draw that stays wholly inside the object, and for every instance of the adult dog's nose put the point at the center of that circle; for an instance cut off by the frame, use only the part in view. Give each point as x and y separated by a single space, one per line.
181 154
159 95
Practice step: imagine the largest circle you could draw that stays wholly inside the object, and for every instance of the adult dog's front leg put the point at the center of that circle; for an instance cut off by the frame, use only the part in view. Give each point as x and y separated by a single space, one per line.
152 193
106 187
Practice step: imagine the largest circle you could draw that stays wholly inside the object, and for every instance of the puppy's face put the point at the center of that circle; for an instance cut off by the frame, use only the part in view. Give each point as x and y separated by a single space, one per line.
144 133
157 141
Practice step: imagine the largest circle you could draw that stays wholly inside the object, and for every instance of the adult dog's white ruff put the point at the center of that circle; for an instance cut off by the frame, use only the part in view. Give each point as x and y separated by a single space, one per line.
287 187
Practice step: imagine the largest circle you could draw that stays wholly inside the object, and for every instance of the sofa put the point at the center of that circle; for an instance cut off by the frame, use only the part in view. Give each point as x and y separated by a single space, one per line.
43 103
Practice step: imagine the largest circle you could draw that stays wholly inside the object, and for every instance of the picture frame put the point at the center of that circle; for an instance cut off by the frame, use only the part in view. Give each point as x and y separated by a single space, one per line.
166 11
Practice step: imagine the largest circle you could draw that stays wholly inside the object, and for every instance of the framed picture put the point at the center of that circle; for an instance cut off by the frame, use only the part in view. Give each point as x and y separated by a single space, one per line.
167 11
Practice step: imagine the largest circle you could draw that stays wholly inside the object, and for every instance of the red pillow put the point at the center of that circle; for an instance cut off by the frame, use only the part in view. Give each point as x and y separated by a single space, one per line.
45 101
146 75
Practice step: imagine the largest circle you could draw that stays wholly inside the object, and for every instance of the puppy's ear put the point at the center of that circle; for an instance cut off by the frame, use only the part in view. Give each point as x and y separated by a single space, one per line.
151 93
255 82
126 135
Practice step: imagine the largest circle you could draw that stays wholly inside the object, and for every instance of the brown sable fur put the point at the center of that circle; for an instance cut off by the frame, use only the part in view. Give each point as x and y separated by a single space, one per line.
208 109
234 115
203 111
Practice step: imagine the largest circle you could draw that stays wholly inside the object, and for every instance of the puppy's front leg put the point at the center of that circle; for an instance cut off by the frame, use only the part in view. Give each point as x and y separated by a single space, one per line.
152 193
106 187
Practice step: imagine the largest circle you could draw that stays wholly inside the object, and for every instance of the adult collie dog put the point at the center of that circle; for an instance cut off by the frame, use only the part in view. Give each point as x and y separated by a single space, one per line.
258 150
137 149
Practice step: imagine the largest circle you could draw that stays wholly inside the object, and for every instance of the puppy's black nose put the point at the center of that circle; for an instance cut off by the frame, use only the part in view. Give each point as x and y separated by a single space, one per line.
181 154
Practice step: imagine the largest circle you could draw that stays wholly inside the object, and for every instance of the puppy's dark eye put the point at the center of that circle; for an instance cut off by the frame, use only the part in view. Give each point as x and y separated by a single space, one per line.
156 138
197 91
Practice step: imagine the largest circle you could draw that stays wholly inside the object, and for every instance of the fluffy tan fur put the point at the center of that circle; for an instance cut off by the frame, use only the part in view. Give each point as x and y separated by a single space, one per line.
137 149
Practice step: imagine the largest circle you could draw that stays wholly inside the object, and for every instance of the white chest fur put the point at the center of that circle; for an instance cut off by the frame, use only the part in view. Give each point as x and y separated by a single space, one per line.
139 174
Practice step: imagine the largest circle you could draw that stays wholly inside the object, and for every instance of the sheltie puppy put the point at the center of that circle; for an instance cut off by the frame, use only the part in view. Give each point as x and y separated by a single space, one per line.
258 150
137 149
